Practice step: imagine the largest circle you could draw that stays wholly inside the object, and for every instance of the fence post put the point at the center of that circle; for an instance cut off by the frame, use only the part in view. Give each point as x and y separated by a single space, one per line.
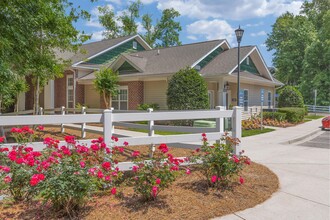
83 125
107 127
62 113
237 127
151 133
219 122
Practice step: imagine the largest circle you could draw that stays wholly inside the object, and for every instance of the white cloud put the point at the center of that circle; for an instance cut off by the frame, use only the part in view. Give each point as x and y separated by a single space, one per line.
262 45
140 28
97 36
214 29
230 9
192 37
260 33
254 25
117 2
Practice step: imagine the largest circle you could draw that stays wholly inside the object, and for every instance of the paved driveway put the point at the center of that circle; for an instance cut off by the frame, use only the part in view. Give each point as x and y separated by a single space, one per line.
321 141
303 171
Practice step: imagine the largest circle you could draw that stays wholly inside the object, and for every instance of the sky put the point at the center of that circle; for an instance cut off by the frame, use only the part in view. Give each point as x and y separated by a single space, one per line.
204 20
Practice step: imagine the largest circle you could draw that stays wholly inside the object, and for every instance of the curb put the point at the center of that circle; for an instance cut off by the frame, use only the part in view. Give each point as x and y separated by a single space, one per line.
298 139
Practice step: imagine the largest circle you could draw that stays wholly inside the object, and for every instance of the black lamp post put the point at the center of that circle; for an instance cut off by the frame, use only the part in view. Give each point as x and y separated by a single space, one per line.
239 34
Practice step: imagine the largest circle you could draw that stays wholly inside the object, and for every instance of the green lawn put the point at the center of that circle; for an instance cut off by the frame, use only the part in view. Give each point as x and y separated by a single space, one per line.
313 117
246 133
157 132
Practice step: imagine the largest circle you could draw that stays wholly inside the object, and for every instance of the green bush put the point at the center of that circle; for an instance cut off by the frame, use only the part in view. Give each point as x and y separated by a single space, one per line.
187 90
290 97
293 115
279 116
145 106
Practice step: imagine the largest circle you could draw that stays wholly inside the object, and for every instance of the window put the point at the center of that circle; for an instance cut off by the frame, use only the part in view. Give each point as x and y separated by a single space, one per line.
134 45
120 101
248 60
269 99
246 100
69 91
198 67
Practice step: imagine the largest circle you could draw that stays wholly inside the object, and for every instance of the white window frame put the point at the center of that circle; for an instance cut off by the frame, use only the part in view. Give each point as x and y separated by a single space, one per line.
248 60
69 76
119 100
269 101
135 45
246 101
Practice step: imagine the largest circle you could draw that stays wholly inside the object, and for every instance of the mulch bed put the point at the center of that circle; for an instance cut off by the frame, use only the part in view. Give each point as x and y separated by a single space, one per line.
187 198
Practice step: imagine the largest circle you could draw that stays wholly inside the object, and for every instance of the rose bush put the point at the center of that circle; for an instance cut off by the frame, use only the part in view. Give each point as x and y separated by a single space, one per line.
152 176
219 164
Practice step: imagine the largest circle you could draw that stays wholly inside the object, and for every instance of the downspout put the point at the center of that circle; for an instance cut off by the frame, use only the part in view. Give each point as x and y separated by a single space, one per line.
74 88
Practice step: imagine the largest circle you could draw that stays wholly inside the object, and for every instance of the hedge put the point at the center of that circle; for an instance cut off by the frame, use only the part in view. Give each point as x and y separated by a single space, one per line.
274 115
293 115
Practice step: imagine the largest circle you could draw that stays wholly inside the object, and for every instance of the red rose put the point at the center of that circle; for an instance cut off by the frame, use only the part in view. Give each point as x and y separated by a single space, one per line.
106 165
136 153
241 180
214 179
2 139
154 191
82 164
158 181
113 191
7 179
163 148
114 138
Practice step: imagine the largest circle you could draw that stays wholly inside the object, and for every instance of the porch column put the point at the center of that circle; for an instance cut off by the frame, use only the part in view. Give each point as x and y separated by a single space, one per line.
221 93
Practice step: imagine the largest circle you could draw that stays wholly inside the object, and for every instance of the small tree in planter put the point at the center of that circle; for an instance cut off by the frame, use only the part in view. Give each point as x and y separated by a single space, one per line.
106 83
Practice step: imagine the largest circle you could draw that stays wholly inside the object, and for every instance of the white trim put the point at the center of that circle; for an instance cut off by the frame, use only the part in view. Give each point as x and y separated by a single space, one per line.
203 57
86 67
119 100
263 61
67 89
110 48
230 72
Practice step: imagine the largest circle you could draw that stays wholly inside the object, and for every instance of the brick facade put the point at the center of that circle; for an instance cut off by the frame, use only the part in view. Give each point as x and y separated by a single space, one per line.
135 94
80 94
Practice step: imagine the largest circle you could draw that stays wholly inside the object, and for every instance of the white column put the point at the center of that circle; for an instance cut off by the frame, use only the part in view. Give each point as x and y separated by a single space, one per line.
49 95
237 127
221 94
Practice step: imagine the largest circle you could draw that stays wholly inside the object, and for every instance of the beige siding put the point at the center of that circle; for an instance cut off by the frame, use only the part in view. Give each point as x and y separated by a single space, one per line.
92 97
212 86
155 92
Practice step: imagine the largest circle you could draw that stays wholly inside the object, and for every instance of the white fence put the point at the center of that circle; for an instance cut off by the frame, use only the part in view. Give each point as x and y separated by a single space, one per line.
320 109
109 118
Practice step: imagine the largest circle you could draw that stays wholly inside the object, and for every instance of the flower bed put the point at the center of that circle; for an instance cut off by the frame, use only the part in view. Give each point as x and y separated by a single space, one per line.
64 178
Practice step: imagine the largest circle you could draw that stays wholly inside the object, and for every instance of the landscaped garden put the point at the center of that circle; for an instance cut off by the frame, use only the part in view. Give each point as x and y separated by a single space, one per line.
78 181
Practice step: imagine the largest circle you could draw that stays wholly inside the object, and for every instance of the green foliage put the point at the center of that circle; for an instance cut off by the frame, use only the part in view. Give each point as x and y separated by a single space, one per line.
106 83
247 133
302 50
219 164
187 90
145 106
274 115
290 97
162 34
293 115
153 176
168 29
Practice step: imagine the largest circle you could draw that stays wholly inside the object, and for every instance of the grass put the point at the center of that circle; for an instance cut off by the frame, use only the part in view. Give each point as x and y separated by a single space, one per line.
157 132
313 117
246 133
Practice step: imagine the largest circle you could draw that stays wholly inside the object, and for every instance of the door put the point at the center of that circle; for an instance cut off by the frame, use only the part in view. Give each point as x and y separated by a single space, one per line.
211 98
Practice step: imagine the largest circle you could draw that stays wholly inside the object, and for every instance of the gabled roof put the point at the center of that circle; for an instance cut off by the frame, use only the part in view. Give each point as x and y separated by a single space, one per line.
225 62
168 60
90 50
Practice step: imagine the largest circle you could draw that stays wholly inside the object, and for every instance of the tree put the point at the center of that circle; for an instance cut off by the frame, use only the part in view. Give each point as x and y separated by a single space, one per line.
187 90
128 18
106 83
167 30
150 35
108 20
289 38
302 50
30 33
290 97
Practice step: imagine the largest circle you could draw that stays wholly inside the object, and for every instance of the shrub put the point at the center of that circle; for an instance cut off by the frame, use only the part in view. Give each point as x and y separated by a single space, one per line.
145 106
251 123
274 115
153 176
290 97
293 115
219 164
187 90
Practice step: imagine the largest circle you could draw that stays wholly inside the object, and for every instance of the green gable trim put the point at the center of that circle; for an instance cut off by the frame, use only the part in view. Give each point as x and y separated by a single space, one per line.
126 68
209 57
249 67
112 54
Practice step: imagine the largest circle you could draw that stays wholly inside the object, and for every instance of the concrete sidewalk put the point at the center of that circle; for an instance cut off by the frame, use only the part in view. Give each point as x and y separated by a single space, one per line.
304 174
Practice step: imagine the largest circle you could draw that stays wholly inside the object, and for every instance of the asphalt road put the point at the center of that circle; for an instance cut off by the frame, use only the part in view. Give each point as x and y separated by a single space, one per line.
321 141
